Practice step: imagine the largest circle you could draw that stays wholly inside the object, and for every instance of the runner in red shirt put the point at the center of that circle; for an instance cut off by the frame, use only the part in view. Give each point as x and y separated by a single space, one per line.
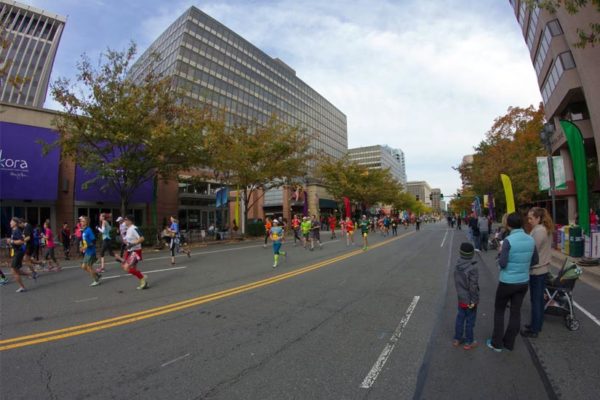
332 222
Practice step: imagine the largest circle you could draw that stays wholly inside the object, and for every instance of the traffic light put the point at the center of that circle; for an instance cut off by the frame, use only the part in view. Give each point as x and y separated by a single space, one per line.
431 197
417 197
458 194
442 196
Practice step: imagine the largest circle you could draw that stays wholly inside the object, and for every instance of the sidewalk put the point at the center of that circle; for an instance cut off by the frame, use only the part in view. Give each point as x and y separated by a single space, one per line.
558 364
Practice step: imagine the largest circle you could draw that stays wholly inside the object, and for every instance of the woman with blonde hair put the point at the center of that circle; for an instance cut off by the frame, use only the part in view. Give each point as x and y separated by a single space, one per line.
542 229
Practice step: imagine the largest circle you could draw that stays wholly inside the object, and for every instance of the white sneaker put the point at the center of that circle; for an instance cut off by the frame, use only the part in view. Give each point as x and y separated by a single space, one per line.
478 251
275 265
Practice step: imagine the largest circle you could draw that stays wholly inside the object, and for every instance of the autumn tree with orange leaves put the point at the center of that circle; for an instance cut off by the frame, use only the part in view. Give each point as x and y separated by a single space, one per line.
510 147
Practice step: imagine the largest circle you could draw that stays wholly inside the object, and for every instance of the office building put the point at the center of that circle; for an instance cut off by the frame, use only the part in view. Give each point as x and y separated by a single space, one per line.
32 36
569 81
381 157
421 190
436 199
214 66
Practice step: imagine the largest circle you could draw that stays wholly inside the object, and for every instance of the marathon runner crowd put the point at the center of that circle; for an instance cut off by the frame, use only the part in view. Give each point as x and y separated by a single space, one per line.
26 241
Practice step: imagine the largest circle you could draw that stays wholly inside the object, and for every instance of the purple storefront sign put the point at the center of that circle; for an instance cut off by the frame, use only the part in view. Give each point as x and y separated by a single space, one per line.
25 173
95 193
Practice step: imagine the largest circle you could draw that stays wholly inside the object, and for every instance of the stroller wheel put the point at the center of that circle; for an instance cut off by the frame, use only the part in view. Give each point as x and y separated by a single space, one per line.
571 322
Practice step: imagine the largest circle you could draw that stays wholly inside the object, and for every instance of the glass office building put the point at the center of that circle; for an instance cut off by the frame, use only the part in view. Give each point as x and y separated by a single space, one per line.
381 157
32 36
213 65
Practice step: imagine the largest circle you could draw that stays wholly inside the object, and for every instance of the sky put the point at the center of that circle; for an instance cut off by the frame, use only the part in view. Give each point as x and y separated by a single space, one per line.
428 77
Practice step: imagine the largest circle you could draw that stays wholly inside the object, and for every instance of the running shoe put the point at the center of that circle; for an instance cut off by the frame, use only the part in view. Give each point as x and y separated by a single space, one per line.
95 283
21 290
469 346
489 344
3 281
143 284
34 276
275 265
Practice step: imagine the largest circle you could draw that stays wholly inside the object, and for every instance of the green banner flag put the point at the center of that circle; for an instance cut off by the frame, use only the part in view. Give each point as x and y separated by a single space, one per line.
575 141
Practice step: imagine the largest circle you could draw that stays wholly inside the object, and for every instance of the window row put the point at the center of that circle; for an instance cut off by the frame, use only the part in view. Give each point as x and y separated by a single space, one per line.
552 29
563 62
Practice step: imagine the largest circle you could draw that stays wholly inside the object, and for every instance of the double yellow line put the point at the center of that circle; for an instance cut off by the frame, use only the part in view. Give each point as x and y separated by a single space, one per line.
76 330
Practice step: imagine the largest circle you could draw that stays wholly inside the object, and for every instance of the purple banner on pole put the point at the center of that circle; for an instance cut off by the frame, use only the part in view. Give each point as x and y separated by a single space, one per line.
97 192
25 173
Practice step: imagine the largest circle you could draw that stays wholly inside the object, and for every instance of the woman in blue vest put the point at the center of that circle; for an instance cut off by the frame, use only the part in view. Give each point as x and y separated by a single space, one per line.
517 255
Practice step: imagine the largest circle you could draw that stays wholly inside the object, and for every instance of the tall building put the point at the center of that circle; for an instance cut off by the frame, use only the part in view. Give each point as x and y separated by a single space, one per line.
421 190
436 199
381 157
569 81
32 36
214 66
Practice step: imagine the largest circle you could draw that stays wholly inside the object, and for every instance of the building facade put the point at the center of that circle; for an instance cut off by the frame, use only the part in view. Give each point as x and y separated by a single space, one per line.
33 36
569 81
212 65
381 157
421 190
436 200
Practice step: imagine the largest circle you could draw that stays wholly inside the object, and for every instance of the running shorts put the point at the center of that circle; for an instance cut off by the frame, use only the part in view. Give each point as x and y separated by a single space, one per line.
17 260
365 234
89 259
316 235
106 248
133 257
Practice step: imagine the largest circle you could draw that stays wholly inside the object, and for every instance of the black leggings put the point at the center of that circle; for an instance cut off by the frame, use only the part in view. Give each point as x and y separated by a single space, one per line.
505 293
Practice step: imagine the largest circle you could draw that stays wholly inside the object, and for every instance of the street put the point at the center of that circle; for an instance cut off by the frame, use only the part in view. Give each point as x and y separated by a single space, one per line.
334 323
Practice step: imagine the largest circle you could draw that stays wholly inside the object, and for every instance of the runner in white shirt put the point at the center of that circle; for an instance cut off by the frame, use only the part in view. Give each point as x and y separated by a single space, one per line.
133 241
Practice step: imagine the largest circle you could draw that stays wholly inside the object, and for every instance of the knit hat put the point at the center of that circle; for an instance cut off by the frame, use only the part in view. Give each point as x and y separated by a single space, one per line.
466 250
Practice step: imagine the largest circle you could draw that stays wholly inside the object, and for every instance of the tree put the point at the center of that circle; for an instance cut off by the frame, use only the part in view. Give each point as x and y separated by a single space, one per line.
257 157
127 133
345 178
590 35
510 147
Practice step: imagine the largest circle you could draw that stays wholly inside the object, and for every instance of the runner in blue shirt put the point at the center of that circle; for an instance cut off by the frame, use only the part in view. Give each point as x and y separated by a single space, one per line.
17 242
276 233
88 248
175 242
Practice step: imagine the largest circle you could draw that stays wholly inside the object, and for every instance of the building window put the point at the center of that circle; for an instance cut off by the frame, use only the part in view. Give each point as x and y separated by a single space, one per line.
522 10
533 22
552 80
567 60
552 29
555 28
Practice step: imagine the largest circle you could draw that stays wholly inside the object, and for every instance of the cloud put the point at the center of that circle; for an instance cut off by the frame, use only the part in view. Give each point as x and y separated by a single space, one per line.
428 77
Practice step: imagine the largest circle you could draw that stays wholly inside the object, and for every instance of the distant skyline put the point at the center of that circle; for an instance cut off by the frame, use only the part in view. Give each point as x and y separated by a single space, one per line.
426 77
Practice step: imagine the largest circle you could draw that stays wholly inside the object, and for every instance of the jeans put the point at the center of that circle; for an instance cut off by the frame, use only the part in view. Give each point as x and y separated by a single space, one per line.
505 293
483 240
536 292
465 322
477 241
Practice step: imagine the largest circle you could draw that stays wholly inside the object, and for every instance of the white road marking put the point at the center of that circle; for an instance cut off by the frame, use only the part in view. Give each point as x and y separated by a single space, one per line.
443 241
84 300
175 360
389 347
143 272
589 314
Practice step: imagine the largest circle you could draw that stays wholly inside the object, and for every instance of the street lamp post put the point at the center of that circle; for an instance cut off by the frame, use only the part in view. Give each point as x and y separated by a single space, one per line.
546 136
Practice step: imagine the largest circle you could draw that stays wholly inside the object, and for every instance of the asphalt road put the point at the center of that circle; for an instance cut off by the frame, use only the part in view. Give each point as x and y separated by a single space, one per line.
335 323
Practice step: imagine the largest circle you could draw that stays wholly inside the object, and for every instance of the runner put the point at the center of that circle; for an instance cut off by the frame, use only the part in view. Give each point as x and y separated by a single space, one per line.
175 240
50 246
349 231
296 228
343 226
267 230
332 222
65 236
27 231
305 226
88 249
17 241
122 234
394 226
315 233
276 234
104 230
133 255
364 230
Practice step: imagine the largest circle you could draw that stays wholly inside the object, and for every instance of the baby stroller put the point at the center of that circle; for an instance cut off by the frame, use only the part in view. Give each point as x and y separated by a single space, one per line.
559 293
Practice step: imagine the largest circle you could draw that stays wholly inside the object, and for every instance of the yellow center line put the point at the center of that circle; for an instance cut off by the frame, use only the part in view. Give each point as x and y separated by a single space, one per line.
76 330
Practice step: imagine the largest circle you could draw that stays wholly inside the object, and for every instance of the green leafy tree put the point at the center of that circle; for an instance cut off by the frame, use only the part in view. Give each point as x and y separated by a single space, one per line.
127 133
589 35
258 157
344 178
510 147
